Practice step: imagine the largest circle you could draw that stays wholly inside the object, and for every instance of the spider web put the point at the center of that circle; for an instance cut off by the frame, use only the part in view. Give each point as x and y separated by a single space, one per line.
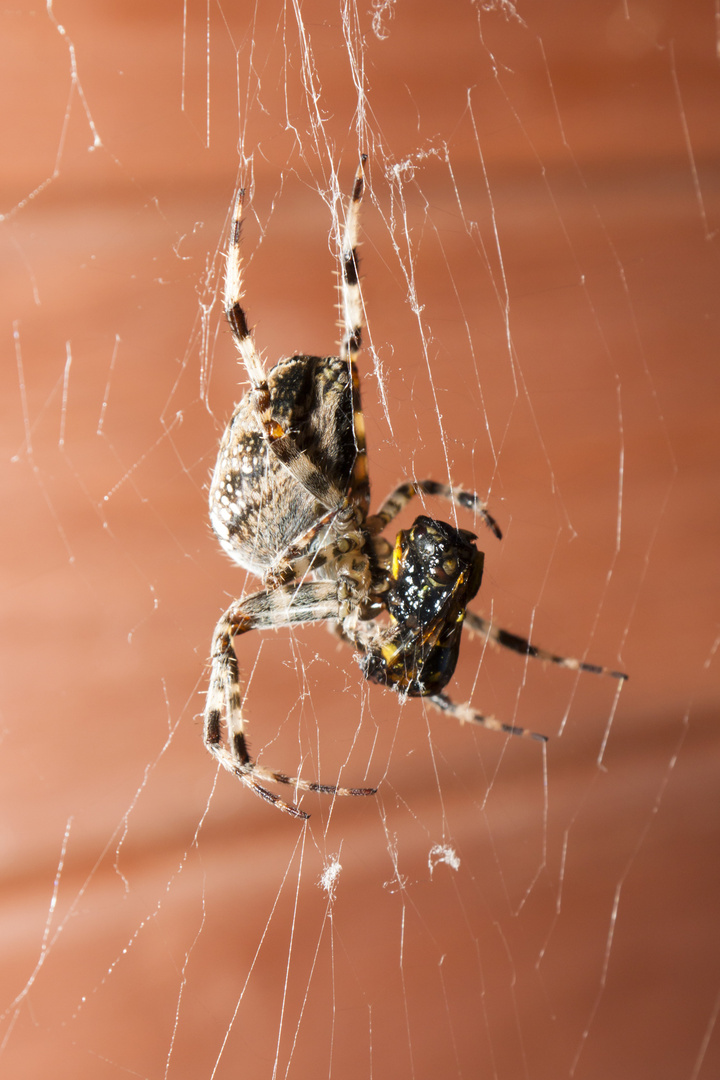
539 261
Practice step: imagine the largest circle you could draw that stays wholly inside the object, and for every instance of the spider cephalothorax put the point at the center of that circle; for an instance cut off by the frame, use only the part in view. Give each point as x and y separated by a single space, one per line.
289 501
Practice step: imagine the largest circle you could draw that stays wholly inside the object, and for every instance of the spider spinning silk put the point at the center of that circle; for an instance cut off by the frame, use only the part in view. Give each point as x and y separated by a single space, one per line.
290 502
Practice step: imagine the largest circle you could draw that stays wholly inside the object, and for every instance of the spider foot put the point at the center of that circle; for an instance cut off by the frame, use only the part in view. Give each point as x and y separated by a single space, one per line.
251 772
274 800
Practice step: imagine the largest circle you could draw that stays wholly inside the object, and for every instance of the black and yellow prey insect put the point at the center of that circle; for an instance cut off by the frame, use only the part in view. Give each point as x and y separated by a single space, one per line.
290 502
436 570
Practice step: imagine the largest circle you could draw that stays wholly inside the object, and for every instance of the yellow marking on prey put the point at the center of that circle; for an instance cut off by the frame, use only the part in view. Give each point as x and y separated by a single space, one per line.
359 429
389 652
396 557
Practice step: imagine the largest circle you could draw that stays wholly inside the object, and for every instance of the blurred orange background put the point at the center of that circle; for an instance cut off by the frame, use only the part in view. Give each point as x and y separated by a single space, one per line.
540 272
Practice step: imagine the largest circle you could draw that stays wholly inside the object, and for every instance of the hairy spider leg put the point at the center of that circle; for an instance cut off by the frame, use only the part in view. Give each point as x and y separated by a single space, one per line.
298 561
467 715
351 307
281 442
288 605
234 312
478 625
351 296
406 491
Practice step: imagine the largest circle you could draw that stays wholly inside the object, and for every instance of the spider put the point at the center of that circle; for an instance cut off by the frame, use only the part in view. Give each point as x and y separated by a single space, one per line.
290 501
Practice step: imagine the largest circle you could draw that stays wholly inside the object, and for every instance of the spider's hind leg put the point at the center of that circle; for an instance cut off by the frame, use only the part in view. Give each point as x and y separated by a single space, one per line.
234 311
235 315
351 308
280 439
351 297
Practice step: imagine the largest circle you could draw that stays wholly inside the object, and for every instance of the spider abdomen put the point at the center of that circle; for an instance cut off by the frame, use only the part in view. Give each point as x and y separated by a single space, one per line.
257 508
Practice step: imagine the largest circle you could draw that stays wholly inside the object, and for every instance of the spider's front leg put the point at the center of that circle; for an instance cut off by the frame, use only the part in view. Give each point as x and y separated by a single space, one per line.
403 493
496 636
284 606
467 715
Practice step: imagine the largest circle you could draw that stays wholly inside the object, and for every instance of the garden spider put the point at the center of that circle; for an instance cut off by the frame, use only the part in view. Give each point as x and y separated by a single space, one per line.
290 500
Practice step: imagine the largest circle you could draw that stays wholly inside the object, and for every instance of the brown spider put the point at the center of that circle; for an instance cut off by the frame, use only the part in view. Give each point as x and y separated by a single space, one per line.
290 501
